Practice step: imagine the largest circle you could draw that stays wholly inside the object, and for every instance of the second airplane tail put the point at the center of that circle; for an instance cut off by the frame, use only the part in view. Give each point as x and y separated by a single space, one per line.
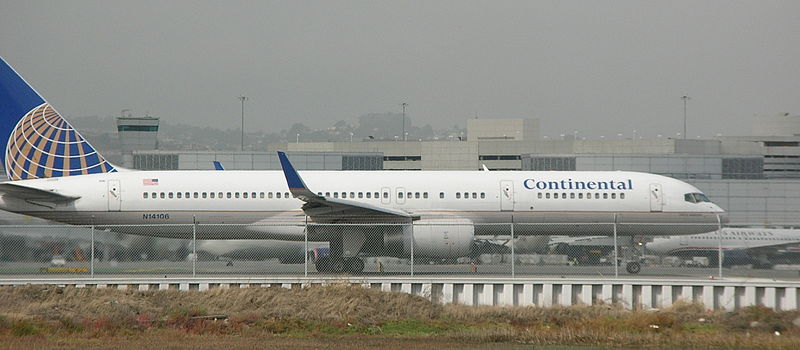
39 143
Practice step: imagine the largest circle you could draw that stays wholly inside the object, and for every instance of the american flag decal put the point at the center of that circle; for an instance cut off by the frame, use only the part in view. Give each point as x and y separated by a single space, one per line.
150 182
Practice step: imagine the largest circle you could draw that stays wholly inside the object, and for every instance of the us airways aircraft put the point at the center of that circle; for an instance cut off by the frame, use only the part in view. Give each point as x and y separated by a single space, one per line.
56 174
742 245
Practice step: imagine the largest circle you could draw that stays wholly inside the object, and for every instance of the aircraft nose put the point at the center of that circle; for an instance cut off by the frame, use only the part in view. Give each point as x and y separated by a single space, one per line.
723 215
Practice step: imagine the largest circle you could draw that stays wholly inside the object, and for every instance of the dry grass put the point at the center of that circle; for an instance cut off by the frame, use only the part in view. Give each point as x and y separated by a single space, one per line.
52 317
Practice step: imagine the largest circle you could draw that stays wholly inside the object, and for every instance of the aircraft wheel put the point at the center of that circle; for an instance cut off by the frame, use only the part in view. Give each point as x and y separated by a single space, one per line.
337 265
323 265
355 265
633 267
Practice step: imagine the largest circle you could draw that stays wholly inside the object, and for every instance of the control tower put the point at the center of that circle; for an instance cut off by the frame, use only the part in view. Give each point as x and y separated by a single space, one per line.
136 134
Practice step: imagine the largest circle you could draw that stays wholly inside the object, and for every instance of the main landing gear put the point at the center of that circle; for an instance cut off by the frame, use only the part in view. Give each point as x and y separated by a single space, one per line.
344 251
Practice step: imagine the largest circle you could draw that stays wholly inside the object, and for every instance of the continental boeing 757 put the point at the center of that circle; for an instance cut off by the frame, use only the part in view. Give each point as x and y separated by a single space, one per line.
55 174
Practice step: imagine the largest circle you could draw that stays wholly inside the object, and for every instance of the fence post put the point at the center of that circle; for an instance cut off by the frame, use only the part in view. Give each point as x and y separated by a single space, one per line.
616 248
91 256
305 247
412 249
194 246
719 245
513 259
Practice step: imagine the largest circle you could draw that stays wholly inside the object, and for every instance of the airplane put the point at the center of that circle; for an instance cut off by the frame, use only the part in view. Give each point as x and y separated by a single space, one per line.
55 174
739 245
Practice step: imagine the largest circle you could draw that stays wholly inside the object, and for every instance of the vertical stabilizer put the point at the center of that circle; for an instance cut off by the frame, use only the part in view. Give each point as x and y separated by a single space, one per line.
39 143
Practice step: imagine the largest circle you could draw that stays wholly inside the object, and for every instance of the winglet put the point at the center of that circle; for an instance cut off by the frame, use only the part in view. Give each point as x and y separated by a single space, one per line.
218 165
297 187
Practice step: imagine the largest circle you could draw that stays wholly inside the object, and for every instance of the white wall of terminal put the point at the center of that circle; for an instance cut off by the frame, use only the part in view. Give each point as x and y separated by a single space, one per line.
726 294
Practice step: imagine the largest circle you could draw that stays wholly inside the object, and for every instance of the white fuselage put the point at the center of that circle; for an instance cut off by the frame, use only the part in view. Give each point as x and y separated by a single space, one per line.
727 239
261 199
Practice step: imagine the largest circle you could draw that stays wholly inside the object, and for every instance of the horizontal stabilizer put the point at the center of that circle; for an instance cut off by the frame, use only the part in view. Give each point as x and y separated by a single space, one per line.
26 193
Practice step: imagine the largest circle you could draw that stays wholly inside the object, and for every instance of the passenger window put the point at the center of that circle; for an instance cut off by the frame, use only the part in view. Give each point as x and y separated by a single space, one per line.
162 195
580 195
621 196
474 195
261 195
539 195
229 195
399 194
547 195
327 194
441 195
613 196
352 195
572 195
425 195
458 195
186 195
369 194
408 195
416 194
197 195
483 195
144 195
605 195
236 194
253 195
269 195
211 194
153 195
205 195
170 195
466 195
360 194
179 195
335 195
219 195
278 194
596 196
244 195
285 194
563 196
386 195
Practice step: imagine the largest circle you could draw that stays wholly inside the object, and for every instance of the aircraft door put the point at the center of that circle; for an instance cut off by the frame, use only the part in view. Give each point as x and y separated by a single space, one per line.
400 195
114 195
683 241
656 198
506 195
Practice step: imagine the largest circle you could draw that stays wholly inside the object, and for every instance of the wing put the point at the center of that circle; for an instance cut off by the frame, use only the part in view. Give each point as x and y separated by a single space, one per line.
324 209
26 193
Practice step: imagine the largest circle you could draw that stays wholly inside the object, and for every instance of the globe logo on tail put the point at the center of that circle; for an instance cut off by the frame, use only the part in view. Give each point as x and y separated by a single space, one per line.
44 145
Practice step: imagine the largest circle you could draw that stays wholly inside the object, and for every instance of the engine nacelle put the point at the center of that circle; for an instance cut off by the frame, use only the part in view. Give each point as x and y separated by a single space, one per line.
432 239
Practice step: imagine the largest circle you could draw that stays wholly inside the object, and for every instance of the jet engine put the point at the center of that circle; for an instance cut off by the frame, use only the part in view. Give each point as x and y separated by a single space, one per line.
440 238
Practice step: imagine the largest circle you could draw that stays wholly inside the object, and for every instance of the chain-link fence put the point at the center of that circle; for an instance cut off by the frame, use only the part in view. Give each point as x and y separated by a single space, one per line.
438 249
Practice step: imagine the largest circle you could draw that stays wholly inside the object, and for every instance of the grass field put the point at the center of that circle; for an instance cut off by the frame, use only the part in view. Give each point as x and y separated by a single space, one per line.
342 316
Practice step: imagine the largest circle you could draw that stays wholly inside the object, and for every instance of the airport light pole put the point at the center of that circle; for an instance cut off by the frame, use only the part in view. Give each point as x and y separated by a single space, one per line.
242 98
685 98
405 137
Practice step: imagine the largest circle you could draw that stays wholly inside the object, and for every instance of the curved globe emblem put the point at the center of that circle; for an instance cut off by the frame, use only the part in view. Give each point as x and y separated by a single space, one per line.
45 145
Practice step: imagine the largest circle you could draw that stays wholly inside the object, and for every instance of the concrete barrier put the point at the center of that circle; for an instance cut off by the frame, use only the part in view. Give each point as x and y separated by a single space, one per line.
725 294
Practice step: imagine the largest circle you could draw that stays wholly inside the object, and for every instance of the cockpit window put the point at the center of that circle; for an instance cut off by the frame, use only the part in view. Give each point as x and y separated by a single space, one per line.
695 198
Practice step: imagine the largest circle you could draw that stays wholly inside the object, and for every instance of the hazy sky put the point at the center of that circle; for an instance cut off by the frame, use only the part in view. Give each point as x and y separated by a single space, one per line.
599 67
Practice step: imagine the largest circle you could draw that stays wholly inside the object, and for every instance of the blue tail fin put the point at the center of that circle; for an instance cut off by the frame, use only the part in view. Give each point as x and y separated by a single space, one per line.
39 142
